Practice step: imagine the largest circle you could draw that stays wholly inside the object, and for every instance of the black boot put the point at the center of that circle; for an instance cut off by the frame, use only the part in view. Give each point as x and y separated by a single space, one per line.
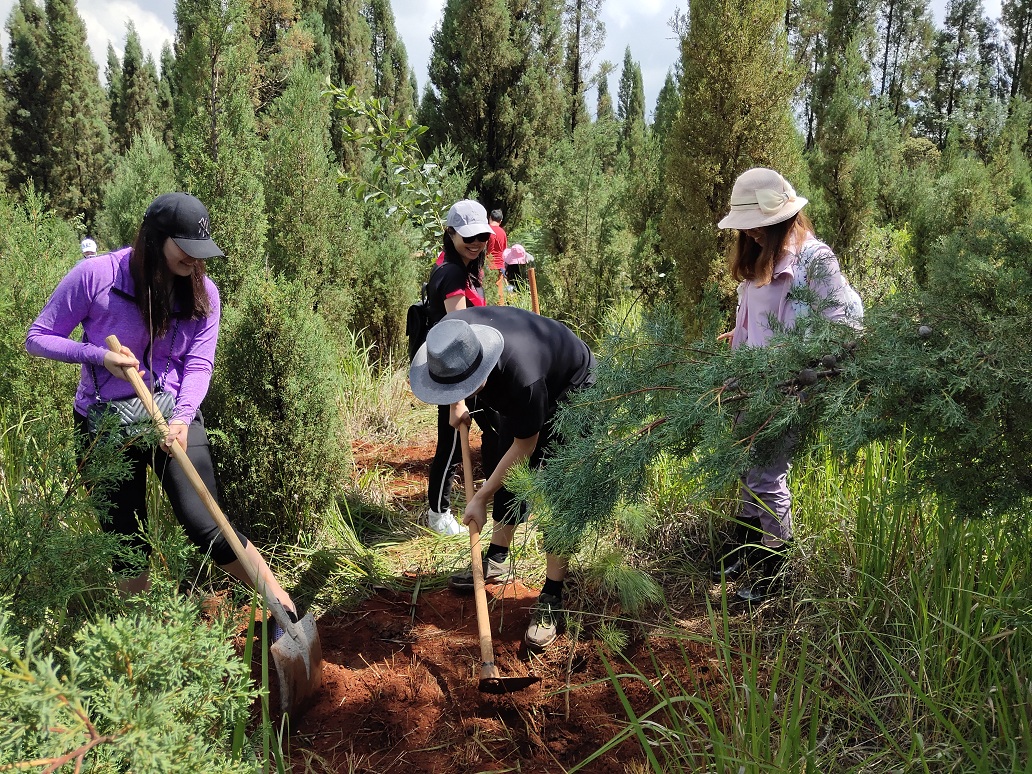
741 549
770 576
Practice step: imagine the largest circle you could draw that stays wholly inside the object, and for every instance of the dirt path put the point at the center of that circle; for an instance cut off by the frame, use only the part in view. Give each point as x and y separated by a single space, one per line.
401 674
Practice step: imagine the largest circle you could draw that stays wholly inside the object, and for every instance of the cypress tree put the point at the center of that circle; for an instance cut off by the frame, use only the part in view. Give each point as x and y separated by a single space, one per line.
585 36
113 76
216 142
139 96
499 110
5 128
630 98
736 87
146 170
604 102
166 94
350 46
838 158
312 233
76 130
389 59
25 87
666 107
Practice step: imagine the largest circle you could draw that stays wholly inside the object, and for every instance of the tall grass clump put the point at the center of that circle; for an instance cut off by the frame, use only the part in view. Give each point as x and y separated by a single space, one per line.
902 645
372 395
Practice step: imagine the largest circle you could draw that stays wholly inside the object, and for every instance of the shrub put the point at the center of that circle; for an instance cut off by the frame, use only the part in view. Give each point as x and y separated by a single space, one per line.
53 554
144 172
38 248
154 691
280 448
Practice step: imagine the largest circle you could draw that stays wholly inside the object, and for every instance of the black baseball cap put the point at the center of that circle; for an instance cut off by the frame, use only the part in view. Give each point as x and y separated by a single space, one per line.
186 221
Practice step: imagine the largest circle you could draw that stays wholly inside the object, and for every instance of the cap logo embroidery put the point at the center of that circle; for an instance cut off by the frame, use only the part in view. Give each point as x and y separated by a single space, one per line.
202 224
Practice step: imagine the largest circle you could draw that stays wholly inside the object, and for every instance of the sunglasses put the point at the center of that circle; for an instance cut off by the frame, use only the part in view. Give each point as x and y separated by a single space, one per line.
470 240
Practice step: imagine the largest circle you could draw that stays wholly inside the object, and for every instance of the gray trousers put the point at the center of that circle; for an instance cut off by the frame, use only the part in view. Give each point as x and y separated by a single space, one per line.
765 496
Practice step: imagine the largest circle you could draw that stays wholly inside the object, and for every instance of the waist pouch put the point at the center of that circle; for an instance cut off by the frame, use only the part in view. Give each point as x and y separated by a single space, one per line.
132 417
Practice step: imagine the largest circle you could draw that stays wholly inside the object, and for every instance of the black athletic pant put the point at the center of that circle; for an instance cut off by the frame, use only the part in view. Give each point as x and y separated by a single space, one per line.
129 500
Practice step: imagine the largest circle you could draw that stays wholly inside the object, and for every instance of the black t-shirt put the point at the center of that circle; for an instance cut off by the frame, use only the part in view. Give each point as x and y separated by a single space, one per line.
446 279
542 361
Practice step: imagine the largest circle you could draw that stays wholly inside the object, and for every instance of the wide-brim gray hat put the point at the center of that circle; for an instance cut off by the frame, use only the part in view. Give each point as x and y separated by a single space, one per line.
454 362
761 197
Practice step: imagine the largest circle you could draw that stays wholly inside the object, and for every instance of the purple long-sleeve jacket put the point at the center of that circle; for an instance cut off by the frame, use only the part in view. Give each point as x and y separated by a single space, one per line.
99 293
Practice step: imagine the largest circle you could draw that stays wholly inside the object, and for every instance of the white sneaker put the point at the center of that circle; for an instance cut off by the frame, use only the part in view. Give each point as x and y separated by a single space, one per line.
443 523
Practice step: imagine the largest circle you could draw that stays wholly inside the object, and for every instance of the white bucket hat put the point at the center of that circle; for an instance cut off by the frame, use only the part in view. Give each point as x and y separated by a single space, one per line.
454 361
761 197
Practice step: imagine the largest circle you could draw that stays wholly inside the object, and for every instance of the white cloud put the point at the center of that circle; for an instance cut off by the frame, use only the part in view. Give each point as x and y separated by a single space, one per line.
106 21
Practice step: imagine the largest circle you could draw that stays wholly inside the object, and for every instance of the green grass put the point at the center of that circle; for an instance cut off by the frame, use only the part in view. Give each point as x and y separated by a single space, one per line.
903 646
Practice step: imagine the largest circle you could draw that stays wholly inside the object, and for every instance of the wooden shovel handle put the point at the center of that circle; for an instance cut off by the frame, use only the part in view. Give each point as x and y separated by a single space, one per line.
487 666
533 290
180 455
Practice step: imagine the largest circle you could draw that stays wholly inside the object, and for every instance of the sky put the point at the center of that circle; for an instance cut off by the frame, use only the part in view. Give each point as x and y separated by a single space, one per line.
641 24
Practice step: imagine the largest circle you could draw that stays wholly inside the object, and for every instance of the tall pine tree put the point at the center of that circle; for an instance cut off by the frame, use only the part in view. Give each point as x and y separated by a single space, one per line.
585 36
736 86
76 106
216 142
25 87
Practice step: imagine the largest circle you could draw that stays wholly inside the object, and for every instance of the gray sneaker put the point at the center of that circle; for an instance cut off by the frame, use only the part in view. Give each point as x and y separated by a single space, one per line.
494 572
546 621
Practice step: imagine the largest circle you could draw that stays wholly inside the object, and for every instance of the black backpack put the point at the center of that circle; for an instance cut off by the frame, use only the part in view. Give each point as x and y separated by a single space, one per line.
417 323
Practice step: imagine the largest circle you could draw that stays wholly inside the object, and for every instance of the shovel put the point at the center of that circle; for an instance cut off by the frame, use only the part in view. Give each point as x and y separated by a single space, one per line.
490 680
533 288
298 653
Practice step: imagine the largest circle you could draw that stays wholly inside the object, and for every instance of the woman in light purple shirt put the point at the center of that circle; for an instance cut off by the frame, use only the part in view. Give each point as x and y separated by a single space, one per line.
776 252
156 298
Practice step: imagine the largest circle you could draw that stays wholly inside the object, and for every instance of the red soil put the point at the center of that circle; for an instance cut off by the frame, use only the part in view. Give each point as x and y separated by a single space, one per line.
401 673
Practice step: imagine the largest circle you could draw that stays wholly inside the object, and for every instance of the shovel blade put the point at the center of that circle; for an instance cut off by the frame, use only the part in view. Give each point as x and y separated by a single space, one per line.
500 685
298 658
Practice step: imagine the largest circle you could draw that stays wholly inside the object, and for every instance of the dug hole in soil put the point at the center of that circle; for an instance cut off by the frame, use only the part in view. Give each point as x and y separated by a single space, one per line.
401 674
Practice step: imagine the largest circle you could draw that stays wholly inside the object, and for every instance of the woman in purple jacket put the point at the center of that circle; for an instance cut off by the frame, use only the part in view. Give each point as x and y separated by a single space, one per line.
156 298
775 250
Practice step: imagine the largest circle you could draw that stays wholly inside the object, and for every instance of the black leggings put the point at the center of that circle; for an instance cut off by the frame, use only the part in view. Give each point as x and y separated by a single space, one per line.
495 441
129 500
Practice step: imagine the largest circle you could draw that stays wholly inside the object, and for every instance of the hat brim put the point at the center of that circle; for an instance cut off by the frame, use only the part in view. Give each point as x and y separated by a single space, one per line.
429 391
201 249
746 219
472 229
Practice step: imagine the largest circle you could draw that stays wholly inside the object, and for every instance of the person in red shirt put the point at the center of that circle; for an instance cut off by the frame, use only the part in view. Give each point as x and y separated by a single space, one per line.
496 247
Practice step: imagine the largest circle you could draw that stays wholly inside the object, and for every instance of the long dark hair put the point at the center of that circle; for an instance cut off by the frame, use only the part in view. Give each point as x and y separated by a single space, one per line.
749 260
158 290
475 268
